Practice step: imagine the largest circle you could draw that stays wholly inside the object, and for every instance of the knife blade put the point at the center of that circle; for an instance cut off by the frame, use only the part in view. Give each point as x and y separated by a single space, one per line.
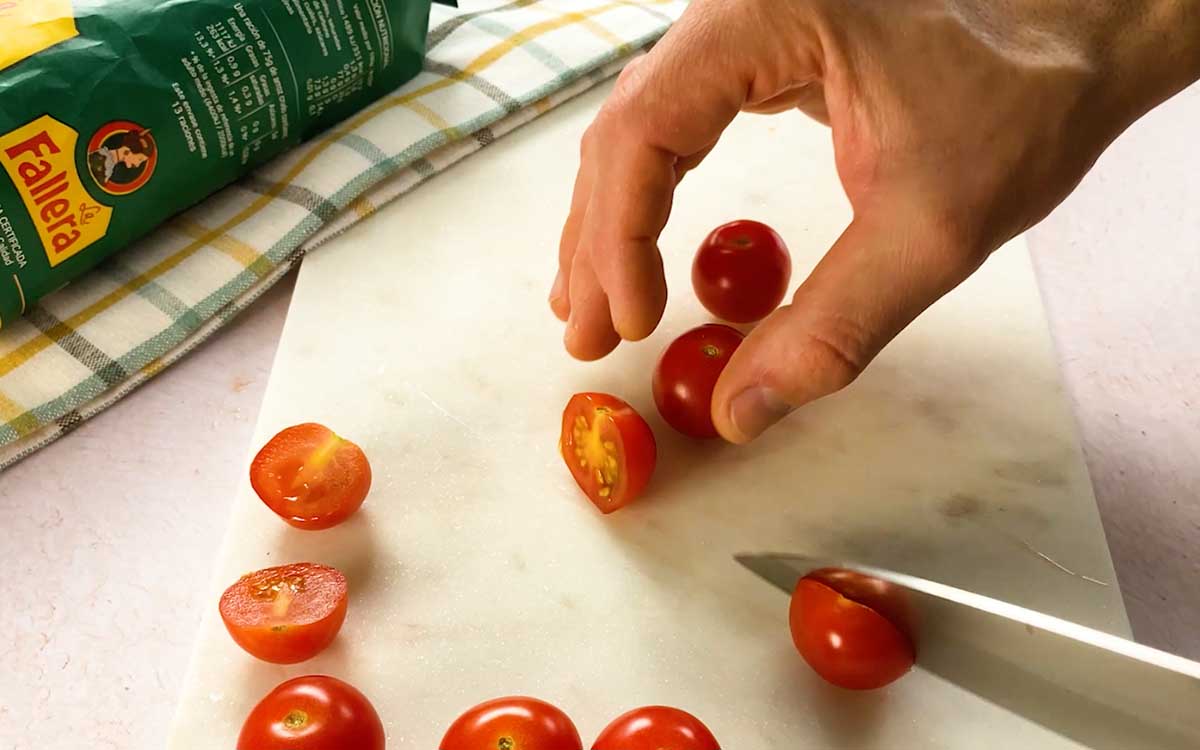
1103 691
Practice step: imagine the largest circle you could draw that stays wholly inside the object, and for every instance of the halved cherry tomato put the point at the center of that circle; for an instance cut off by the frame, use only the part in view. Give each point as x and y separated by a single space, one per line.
847 643
608 447
741 271
314 712
513 724
687 373
285 614
656 728
311 477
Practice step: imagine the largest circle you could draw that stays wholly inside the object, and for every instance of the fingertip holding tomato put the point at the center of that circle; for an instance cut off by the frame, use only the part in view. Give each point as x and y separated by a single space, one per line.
655 728
512 723
311 477
687 373
286 614
848 644
741 271
314 712
609 449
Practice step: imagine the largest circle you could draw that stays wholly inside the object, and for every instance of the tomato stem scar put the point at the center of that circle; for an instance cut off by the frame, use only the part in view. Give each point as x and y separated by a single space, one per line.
295 719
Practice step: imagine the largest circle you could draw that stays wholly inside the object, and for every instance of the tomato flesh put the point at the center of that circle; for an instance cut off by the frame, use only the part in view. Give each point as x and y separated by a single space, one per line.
609 449
286 614
514 723
656 728
741 271
848 644
311 477
687 373
314 712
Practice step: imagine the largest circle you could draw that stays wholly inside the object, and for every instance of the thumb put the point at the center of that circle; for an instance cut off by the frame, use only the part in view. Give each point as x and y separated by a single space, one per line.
874 281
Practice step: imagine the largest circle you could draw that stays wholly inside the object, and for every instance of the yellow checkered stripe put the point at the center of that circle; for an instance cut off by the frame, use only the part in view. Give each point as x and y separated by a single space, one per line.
81 349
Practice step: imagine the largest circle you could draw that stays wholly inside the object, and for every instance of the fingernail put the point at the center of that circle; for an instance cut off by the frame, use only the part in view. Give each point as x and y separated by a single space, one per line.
755 409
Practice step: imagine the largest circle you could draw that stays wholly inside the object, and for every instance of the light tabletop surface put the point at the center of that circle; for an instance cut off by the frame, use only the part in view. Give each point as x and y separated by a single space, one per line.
109 535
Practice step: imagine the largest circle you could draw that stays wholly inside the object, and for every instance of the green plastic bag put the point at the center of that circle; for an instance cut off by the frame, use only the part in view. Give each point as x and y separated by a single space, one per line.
117 114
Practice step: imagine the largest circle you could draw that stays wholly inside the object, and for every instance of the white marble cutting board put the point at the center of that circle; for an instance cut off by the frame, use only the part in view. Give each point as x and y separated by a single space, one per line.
476 567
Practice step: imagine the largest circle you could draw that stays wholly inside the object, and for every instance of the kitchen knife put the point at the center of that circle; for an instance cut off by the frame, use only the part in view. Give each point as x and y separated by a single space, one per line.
1103 691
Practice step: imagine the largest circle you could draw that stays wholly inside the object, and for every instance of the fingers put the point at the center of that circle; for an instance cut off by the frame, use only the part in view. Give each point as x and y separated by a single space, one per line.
560 300
876 279
588 303
621 232
658 123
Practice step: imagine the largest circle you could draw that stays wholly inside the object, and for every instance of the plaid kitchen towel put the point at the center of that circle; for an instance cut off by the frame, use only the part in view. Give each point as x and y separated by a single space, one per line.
486 72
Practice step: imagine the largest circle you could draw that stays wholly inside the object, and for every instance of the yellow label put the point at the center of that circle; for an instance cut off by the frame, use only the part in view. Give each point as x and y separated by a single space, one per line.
40 159
29 26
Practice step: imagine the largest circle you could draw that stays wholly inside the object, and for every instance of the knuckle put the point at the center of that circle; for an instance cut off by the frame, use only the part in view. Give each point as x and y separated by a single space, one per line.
836 352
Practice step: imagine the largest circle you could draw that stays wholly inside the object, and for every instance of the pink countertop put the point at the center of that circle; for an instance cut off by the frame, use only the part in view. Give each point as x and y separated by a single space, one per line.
109 534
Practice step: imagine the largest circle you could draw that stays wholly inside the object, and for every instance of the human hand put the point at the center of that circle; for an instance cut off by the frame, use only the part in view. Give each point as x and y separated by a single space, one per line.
957 124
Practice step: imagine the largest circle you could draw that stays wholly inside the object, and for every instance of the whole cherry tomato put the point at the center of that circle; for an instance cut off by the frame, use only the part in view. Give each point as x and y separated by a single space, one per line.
311 477
687 373
314 712
847 643
656 728
741 271
513 724
285 614
608 447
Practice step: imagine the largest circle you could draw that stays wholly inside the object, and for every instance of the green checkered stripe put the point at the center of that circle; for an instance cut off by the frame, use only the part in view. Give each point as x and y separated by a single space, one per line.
486 73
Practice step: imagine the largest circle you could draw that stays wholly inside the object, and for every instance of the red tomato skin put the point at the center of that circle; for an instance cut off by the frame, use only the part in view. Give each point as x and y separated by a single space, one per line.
527 724
314 712
303 634
638 451
656 728
741 271
337 491
846 643
687 373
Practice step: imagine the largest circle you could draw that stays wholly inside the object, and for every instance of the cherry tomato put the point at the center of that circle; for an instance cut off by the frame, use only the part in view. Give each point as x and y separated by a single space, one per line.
286 614
513 724
847 643
313 713
311 477
656 728
686 374
609 449
741 271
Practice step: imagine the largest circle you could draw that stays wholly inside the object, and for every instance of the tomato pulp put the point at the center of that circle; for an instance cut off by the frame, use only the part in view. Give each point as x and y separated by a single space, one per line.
741 271
311 477
314 712
286 614
656 728
687 373
847 643
609 449
514 723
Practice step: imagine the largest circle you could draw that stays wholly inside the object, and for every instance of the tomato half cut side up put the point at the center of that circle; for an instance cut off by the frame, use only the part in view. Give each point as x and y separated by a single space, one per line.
311 477
609 449
286 614
314 712
848 644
